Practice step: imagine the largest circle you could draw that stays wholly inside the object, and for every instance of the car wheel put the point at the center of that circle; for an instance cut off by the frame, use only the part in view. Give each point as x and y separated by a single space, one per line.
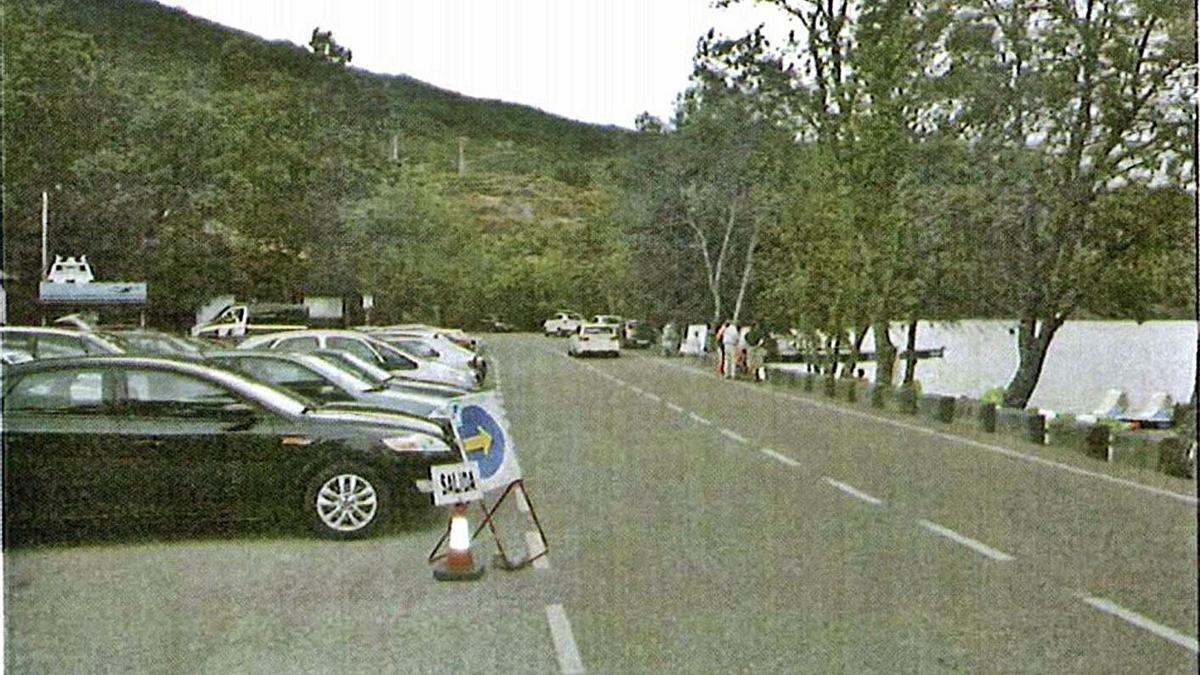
345 501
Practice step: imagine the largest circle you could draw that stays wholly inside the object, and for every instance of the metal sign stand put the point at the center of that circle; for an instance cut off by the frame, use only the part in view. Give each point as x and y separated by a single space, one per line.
502 560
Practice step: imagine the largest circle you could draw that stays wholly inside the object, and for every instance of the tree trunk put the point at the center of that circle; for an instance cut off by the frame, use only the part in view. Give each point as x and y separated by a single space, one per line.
860 334
1033 341
910 363
885 354
737 307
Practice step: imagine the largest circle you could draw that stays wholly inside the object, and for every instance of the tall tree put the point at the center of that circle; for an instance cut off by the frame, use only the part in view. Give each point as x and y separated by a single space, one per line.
1074 99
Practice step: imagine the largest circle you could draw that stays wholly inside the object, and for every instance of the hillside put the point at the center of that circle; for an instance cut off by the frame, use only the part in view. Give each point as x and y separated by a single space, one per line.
207 161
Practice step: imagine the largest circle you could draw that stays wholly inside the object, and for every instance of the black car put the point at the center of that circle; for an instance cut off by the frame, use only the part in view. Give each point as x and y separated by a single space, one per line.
138 437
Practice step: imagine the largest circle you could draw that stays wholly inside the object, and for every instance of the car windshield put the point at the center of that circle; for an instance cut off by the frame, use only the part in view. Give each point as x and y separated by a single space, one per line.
356 366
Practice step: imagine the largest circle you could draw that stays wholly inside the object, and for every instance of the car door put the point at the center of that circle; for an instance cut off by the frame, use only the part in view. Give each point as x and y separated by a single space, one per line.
54 422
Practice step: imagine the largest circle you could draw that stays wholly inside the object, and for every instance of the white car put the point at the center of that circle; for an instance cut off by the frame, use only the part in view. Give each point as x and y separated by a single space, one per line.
433 346
368 348
594 338
608 319
562 323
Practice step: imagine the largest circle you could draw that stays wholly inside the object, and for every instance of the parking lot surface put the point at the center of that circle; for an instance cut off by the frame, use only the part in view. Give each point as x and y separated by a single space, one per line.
695 525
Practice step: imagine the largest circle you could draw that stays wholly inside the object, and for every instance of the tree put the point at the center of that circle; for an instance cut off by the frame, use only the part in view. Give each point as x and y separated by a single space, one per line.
694 189
1071 100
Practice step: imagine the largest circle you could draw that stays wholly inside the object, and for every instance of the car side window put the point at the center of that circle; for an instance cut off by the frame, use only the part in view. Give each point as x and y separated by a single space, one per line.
297 344
162 392
75 390
275 371
17 342
355 347
51 346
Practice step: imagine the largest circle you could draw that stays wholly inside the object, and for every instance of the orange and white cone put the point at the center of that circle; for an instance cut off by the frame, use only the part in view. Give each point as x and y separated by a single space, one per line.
459 564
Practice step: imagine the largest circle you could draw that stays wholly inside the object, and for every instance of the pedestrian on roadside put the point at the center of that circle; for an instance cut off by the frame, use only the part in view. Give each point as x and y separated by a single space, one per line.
742 363
729 341
720 339
755 352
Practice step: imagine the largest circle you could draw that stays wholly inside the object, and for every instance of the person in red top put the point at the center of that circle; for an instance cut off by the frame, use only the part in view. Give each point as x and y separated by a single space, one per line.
721 348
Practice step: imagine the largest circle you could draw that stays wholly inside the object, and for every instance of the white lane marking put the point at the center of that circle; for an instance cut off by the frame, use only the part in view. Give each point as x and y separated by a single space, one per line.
564 640
853 492
653 397
699 419
636 389
1033 459
1142 622
533 546
733 435
783 458
676 408
522 505
977 546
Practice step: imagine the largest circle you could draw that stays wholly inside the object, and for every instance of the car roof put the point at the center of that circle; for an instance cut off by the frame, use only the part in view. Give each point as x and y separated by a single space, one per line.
193 365
45 330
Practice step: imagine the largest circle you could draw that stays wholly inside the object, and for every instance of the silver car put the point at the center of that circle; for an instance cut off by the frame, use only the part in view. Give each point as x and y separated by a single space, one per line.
369 349
321 378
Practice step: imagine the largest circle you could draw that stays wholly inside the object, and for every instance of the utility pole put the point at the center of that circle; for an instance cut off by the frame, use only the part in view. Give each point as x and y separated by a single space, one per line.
45 227
462 161
395 147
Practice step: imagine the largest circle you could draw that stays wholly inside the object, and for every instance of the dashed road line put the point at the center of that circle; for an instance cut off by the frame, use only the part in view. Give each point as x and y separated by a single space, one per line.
734 436
853 491
564 641
781 457
1033 459
699 419
977 546
653 397
676 408
637 390
1142 622
533 546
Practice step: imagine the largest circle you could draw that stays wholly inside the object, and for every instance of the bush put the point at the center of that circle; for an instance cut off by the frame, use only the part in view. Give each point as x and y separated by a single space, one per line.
995 396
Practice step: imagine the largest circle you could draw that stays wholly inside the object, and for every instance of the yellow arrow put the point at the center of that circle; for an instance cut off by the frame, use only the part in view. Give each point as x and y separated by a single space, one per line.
480 442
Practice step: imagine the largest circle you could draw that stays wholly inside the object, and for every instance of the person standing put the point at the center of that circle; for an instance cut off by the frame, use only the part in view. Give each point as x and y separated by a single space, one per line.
754 338
729 341
719 336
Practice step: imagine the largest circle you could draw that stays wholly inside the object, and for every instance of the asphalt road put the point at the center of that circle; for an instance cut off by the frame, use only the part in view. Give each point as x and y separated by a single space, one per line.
695 526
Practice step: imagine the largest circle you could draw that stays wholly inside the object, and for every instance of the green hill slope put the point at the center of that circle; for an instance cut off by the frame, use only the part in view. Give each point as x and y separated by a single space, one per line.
210 161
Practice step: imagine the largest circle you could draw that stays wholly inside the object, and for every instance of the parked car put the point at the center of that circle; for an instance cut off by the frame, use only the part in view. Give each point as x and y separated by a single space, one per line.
382 378
594 338
562 323
435 348
452 335
138 437
45 343
156 342
327 382
369 348
607 320
494 324
636 334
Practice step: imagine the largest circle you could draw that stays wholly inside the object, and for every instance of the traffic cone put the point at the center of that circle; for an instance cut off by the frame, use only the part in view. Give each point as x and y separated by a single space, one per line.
459 564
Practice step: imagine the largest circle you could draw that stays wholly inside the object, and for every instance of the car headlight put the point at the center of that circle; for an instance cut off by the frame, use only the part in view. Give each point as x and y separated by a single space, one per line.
416 443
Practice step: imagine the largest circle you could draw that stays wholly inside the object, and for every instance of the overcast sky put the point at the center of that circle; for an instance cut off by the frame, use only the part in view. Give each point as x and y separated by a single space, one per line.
600 61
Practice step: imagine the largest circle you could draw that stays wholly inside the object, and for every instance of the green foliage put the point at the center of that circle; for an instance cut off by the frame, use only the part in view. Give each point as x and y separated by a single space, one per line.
995 396
208 161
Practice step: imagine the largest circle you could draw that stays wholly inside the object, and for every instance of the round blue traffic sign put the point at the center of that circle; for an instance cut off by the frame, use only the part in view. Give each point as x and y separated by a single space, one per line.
482 439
